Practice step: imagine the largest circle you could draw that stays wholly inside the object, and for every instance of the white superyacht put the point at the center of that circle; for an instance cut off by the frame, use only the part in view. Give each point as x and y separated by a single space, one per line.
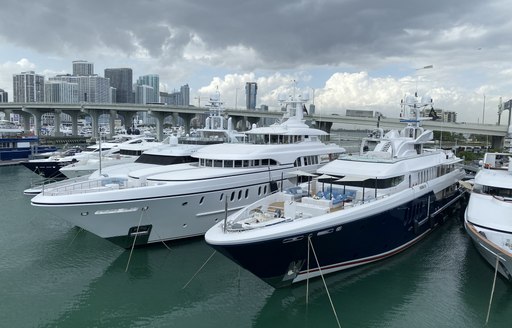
488 217
361 208
179 201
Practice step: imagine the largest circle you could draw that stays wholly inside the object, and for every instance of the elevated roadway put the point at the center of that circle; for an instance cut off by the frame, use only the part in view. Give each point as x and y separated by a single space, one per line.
160 112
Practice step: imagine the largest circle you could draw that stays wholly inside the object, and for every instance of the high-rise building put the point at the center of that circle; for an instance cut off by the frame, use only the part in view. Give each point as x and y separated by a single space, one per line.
92 89
144 94
180 98
251 89
28 87
153 81
61 92
83 68
4 96
185 95
121 79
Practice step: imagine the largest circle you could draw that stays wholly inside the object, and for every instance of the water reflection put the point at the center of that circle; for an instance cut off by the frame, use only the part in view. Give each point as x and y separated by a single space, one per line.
150 293
427 286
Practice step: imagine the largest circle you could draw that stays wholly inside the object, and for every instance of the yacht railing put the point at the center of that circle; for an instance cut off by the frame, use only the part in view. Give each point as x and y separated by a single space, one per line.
89 186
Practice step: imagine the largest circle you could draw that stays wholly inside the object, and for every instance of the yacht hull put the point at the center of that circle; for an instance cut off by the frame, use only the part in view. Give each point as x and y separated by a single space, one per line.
128 222
285 260
47 169
489 250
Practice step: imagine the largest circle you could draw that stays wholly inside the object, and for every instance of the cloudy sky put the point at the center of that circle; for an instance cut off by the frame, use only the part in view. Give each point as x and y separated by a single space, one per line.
356 54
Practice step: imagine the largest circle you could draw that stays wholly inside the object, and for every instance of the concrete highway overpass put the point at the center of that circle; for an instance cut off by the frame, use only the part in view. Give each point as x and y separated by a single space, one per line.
160 112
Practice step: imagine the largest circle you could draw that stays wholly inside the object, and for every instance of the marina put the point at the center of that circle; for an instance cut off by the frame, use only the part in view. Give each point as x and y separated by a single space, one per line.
76 278
325 189
54 275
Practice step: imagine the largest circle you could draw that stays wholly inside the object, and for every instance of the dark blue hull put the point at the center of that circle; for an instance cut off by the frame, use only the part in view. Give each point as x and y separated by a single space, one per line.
281 262
47 169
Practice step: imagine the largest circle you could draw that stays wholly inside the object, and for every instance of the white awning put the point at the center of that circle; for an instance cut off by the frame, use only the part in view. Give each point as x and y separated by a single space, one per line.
301 173
351 178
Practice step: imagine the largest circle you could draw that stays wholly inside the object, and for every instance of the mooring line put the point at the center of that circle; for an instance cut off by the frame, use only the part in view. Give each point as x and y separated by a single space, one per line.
76 235
134 239
307 279
492 291
325 285
195 274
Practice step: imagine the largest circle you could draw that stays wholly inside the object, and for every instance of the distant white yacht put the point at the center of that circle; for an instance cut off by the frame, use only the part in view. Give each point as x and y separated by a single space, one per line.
50 167
177 201
488 217
175 149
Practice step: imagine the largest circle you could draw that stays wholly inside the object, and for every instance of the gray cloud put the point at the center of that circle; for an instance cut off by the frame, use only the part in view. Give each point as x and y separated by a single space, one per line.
377 43
283 33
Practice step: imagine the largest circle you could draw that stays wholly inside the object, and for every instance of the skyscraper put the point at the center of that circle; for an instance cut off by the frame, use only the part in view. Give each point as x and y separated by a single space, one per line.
144 94
180 98
153 81
61 92
92 89
28 87
185 95
4 96
251 89
121 79
83 68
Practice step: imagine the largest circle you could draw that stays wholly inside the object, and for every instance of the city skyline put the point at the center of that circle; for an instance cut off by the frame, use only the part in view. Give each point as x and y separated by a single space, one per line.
347 55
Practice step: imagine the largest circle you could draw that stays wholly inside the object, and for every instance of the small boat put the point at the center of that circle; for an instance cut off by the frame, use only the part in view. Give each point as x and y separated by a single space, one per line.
17 145
51 167
173 150
488 215
126 152
360 208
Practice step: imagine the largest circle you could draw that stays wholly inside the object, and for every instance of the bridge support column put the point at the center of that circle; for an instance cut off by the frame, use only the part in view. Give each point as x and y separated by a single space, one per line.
74 122
56 122
251 120
26 121
94 114
128 118
187 118
36 114
7 113
497 142
159 116
112 122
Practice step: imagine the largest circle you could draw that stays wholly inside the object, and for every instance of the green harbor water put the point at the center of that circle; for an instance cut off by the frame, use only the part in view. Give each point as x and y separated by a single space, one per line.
54 275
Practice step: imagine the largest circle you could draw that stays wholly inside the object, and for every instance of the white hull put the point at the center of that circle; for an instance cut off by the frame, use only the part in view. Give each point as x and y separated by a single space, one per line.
172 211
488 215
489 250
